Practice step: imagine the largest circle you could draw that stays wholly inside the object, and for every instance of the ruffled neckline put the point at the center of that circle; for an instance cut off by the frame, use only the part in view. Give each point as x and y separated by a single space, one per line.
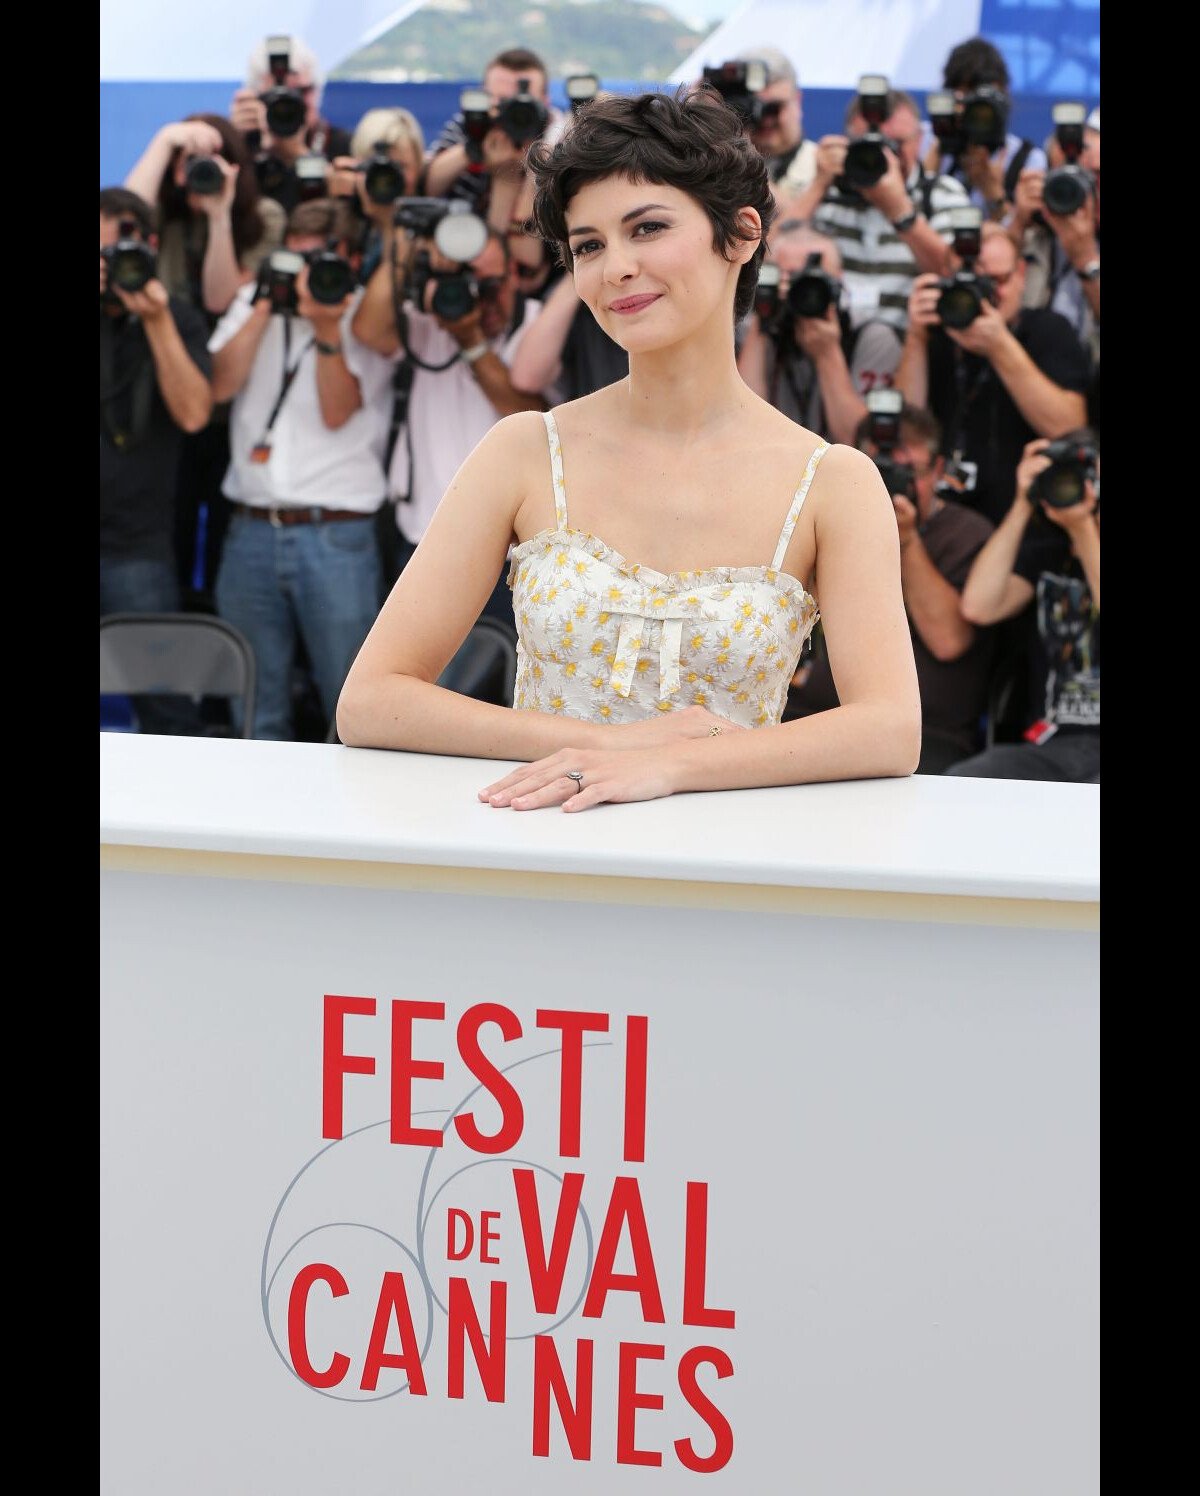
666 581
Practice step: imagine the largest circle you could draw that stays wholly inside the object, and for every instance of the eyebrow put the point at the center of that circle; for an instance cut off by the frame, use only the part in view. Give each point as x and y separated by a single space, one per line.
636 213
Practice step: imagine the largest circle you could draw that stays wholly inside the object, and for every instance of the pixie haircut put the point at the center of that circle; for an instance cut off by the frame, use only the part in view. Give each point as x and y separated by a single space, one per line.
691 141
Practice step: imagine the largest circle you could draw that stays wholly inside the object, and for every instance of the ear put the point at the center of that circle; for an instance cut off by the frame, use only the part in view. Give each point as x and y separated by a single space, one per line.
749 221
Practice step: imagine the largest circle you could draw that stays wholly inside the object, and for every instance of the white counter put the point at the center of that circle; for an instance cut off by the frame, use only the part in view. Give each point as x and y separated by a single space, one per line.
866 1163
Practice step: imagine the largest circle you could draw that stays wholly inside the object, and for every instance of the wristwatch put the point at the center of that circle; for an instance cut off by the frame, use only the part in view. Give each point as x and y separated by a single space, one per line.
470 355
902 225
326 347
1090 272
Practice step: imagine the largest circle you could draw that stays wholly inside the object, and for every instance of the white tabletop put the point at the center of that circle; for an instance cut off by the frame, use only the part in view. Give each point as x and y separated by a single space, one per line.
978 837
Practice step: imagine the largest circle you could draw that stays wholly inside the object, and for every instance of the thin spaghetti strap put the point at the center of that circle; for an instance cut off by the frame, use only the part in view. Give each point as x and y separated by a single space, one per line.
789 524
560 488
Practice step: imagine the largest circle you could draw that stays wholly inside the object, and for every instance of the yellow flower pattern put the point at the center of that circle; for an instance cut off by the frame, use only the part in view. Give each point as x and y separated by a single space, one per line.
576 600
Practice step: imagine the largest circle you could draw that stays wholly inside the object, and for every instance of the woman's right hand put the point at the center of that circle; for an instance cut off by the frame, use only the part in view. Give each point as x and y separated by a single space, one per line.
1032 463
669 727
193 137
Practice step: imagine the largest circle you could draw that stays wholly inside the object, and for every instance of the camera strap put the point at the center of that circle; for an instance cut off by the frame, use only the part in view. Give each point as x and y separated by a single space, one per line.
263 445
1015 167
139 381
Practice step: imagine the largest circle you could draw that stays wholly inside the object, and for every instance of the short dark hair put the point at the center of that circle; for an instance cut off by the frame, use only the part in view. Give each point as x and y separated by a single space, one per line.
691 141
974 63
119 202
518 60
328 217
916 424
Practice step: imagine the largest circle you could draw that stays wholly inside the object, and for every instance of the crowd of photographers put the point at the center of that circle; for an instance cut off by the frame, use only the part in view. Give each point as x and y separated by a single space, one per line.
303 334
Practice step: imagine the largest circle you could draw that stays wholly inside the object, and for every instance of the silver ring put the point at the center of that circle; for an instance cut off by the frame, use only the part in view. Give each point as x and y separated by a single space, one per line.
577 776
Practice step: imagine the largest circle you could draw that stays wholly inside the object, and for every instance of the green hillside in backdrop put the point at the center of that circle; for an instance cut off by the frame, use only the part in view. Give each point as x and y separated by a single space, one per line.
456 38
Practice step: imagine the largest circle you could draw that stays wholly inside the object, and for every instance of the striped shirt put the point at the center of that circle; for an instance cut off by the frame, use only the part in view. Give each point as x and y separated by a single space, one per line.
878 268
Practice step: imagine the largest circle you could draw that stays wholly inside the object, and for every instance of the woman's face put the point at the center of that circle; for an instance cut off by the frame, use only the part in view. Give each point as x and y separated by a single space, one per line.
644 262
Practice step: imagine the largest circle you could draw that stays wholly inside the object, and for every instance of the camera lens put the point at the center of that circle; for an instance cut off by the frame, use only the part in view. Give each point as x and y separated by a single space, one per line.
286 112
1061 485
1065 190
131 267
384 181
810 296
203 176
866 162
959 305
330 279
453 297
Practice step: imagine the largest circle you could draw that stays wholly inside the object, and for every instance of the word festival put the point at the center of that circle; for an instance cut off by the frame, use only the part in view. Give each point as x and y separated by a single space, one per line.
566 1385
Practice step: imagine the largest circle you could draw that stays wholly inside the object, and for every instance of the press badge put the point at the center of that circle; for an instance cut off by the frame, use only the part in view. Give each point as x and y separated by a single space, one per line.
261 452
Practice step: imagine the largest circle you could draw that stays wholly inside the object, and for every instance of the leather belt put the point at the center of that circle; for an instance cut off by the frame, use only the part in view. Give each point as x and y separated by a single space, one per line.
306 514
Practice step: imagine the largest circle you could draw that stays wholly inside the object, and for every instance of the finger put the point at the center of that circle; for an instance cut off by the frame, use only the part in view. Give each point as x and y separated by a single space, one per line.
555 793
542 769
594 794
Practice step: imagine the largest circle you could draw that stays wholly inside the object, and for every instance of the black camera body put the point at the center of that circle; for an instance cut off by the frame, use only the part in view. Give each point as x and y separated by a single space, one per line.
330 278
286 107
883 412
460 236
522 118
132 264
383 180
203 176
1067 188
867 154
961 295
277 280
1073 461
814 290
739 84
983 118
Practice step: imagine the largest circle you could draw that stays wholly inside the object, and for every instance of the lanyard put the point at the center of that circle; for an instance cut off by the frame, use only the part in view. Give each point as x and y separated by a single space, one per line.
289 375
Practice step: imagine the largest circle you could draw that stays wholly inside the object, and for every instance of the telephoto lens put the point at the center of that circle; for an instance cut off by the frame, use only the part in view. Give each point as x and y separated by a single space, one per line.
1072 466
961 299
383 180
984 118
286 111
131 264
330 277
813 291
522 118
454 296
203 176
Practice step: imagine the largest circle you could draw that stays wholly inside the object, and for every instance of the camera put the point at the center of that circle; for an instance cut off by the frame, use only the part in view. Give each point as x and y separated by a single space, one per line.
277 279
581 89
460 236
330 278
814 290
1068 187
739 84
1072 465
310 177
131 263
883 413
766 296
383 180
203 176
866 156
522 118
476 106
942 109
961 295
286 107
983 118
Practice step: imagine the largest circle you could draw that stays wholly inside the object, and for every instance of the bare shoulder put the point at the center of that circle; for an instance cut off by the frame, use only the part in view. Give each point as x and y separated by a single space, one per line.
848 486
584 412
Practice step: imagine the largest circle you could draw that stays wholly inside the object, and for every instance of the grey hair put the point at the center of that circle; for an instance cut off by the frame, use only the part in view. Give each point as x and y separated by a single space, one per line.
303 59
779 66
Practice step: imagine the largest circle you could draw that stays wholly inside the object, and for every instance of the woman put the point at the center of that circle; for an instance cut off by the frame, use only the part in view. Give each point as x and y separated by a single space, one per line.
639 677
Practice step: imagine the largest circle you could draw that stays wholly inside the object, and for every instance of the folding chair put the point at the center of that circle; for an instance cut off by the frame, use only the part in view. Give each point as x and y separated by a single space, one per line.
181 654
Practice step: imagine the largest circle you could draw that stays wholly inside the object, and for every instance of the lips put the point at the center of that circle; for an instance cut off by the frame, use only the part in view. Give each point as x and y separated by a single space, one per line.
629 304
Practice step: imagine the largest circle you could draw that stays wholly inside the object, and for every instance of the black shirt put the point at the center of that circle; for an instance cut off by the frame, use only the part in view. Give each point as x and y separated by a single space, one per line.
139 442
1064 630
977 412
590 360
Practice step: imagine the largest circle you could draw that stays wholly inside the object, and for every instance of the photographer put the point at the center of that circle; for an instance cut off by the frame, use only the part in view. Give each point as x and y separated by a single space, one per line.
387 154
939 539
492 177
977 76
305 478
1011 375
1062 250
1044 562
279 113
777 131
566 350
889 232
814 368
452 379
154 387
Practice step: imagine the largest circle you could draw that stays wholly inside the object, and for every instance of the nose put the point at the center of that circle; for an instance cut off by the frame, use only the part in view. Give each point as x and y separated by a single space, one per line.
620 262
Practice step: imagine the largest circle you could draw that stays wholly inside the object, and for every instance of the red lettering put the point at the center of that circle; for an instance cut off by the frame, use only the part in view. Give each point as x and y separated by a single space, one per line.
625 1207
463 1325
455 1217
548 1377
573 1026
512 1112
335 1063
546 1273
635 1090
316 1272
487 1236
695 1263
629 1400
393 1301
405 1069
716 1420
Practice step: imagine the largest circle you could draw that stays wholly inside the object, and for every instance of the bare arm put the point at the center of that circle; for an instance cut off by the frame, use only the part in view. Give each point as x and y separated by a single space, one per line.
146 177
993 591
221 277
1085 541
186 393
933 604
232 362
912 373
374 323
338 391
844 406
538 360
1049 409
443 168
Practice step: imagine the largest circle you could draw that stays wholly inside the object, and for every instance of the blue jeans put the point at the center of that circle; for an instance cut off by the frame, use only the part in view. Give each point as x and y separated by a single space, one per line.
146 584
1071 756
319 580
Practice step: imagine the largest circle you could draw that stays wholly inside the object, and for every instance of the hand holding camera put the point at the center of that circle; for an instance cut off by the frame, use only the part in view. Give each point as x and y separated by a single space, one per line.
923 304
1076 232
193 137
211 185
982 172
831 159
247 113
1062 476
324 315
983 334
819 336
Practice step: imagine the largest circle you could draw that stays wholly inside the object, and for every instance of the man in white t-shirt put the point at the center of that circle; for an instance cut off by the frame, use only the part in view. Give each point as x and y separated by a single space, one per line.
460 386
307 431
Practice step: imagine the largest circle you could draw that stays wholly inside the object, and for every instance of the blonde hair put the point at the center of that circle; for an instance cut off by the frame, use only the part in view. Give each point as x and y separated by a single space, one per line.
394 126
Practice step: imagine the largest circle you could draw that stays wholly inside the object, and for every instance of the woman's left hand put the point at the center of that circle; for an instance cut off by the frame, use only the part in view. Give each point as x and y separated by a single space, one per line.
614 775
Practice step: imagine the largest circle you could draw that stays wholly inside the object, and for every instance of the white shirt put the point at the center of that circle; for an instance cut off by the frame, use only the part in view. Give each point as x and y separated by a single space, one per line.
448 416
309 463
